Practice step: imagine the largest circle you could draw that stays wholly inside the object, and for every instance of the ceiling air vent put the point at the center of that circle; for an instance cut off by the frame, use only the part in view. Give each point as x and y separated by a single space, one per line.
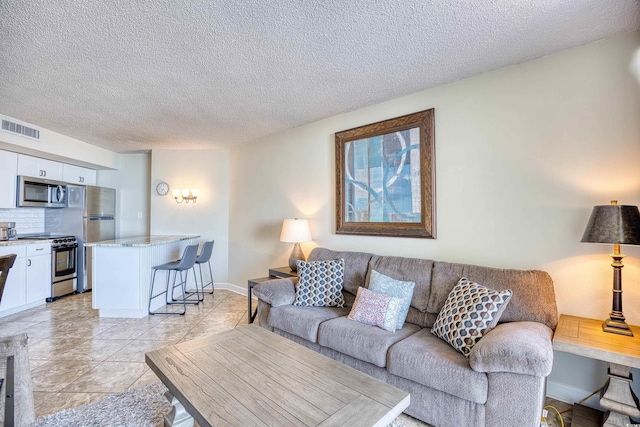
20 129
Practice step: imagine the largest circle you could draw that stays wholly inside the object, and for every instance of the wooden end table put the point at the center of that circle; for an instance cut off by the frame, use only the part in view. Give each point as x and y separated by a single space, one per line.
585 337
274 273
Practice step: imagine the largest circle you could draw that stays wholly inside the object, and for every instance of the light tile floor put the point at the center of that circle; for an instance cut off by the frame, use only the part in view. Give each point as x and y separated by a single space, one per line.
77 357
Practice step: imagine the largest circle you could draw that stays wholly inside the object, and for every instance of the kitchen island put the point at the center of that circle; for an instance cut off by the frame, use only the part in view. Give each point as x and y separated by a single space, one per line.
121 272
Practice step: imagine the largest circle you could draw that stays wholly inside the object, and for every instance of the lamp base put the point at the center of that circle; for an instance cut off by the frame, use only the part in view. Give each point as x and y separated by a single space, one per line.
296 254
619 327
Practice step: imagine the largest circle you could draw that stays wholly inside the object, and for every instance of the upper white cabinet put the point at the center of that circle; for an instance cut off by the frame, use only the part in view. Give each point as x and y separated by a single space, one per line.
39 168
8 172
78 175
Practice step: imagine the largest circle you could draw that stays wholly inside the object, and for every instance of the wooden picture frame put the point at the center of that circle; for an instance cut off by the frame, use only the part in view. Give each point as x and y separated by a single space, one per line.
385 178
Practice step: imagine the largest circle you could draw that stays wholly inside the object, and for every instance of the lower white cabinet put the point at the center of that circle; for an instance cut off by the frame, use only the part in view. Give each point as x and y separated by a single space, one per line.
14 295
38 276
29 280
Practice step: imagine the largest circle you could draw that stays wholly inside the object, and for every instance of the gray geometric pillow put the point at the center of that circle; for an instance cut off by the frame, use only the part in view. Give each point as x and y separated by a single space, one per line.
471 311
320 284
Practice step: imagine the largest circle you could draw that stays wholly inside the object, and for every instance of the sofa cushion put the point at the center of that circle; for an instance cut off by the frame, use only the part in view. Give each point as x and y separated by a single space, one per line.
518 347
379 282
355 266
413 270
303 321
320 283
364 342
428 360
470 310
376 309
277 291
533 297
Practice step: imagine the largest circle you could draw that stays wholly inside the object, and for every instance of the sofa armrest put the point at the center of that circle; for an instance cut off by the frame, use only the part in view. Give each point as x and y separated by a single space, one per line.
518 347
277 292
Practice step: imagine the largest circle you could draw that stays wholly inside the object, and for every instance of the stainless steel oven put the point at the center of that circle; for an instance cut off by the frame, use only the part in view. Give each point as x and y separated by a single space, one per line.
64 267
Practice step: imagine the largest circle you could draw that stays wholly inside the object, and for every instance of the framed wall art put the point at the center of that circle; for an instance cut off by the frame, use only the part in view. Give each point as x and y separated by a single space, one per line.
385 178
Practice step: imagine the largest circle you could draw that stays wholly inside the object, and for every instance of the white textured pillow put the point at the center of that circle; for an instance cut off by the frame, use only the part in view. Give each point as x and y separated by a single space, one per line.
471 310
376 309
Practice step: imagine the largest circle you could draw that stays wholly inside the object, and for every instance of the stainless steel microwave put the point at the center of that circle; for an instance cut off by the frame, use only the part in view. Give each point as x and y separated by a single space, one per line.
41 193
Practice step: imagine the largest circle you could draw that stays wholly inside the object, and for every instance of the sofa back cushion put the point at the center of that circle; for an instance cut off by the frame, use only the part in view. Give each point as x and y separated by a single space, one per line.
414 270
533 294
355 268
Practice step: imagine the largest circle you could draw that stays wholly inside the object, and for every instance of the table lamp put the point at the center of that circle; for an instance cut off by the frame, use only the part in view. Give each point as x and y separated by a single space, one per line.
619 225
295 231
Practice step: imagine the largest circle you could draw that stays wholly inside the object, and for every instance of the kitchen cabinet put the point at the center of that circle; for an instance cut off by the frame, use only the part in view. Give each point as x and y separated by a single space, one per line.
38 275
14 295
29 280
8 173
39 168
78 175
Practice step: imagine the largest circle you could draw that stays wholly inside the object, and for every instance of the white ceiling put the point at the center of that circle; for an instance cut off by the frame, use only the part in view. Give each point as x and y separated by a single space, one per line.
135 75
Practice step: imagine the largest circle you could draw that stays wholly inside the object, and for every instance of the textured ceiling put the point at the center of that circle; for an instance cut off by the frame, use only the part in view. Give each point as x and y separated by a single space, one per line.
134 75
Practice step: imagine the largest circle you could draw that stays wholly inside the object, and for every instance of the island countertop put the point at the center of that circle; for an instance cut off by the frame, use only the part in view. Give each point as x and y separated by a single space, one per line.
142 241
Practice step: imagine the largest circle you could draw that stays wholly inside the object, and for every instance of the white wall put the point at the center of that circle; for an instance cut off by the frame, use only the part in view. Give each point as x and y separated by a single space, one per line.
132 184
208 171
522 156
55 146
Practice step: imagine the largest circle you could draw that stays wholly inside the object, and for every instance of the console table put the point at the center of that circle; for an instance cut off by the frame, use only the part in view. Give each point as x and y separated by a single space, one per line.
274 273
585 337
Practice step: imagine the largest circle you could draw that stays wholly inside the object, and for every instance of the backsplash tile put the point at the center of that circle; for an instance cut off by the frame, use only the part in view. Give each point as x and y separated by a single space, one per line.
28 220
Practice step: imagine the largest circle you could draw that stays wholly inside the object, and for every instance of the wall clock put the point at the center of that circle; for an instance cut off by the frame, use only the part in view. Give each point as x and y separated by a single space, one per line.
162 189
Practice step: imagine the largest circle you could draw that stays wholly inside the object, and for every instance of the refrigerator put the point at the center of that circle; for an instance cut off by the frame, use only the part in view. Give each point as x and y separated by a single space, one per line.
90 216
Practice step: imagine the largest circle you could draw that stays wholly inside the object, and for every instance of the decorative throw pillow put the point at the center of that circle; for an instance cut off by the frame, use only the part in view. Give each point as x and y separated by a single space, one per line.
378 282
471 310
320 283
373 308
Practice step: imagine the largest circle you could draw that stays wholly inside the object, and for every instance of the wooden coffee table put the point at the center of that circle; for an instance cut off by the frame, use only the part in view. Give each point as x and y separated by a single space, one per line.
249 376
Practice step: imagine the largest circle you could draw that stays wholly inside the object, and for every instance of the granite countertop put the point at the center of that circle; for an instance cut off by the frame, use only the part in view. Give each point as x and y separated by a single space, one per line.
20 242
142 241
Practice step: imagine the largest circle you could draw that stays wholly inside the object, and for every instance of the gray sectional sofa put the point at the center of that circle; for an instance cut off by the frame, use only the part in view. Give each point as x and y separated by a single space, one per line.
501 383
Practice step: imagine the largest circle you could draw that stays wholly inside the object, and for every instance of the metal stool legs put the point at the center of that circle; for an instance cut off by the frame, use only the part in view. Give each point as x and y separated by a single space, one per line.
205 257
178 267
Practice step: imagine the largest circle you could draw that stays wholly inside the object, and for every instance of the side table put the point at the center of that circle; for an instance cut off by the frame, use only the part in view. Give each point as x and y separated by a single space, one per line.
274 273
585 337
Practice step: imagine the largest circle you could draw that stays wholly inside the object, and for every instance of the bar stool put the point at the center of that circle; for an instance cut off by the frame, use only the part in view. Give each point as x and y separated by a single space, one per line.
178 267
205 257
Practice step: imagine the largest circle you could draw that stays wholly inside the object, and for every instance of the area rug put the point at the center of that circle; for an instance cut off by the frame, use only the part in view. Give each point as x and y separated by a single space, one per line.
142 406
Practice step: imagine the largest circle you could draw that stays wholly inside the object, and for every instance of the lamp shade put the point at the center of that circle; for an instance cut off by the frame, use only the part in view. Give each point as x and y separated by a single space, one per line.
295 231
617 224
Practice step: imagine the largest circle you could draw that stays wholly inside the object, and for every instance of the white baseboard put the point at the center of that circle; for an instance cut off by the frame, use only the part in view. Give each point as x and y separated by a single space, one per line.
233 288
569 394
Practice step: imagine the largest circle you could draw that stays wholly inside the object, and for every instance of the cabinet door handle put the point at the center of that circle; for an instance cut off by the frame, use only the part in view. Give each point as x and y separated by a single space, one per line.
45 173
39 249
40 173
28 263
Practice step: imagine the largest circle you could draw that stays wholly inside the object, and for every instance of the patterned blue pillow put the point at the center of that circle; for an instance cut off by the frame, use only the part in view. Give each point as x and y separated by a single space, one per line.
320 283
378 282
